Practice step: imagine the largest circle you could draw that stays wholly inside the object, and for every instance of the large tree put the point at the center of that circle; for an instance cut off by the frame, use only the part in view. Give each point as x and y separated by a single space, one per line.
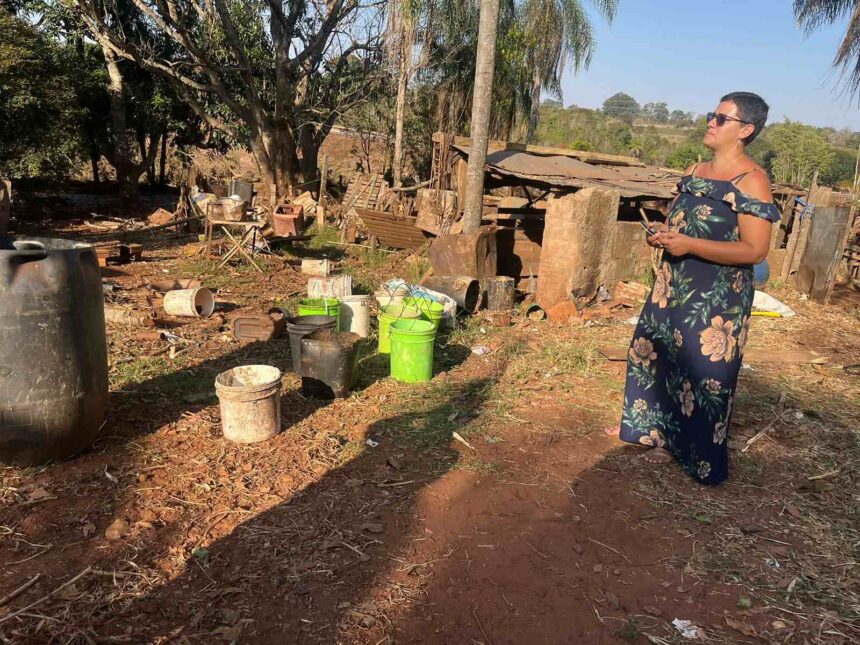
812 14
269 74
799 150
622 106
557 32
37 103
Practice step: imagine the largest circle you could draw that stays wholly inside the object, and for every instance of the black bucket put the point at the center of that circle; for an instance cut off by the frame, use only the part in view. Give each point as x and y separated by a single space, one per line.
301 326
328 363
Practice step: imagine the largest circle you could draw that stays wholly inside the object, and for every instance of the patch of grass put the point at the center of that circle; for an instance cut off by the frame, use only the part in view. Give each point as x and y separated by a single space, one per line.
161 375
417 270
324 238
647 276
425 415
478 465
138 371
630 630
555 356
373 259
466 332
240 274
724 567
349 452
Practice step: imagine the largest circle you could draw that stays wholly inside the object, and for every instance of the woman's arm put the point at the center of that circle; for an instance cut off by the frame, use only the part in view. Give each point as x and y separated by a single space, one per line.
754 234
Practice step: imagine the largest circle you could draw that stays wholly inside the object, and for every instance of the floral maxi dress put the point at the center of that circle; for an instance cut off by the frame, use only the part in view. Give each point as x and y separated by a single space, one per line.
684 359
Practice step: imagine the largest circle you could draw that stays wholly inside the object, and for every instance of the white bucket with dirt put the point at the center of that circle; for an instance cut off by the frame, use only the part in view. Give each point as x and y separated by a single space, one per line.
190 303
250 398
355 315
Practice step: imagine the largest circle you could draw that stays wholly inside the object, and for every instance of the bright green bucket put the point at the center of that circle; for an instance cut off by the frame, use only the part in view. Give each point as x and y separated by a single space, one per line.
388 315
320 307
412 343
430 309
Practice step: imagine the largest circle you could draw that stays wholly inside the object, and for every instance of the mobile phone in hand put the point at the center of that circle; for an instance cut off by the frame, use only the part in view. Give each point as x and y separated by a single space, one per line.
647 228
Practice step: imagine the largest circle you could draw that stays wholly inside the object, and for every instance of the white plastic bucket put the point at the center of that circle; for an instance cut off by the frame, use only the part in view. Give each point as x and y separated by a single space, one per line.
194 303
334 287
355 315
250 402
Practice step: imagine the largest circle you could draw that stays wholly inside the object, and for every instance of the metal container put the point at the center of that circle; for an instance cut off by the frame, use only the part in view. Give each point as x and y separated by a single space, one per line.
53 352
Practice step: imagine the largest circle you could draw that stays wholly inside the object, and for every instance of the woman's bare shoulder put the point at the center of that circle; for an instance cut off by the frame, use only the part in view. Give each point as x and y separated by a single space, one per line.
756 184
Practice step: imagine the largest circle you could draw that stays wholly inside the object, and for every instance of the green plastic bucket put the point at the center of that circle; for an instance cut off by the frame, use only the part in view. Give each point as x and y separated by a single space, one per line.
430 309
412 343
320 307
388 315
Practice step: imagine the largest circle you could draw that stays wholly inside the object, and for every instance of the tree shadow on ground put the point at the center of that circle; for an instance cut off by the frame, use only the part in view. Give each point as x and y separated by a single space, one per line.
543 531
302 569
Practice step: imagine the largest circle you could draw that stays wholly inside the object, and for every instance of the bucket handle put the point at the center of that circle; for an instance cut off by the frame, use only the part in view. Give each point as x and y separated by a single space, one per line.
30 250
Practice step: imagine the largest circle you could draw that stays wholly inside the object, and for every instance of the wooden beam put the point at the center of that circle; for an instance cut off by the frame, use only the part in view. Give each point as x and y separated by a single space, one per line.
582 155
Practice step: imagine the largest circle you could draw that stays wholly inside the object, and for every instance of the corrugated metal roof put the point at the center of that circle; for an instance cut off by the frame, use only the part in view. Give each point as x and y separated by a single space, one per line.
560 171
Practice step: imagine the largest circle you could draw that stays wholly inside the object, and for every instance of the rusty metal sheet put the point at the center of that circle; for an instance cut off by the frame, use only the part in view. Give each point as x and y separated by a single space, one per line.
560 171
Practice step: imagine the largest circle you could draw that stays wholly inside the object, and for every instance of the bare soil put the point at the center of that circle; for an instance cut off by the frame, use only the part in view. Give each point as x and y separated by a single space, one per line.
540 530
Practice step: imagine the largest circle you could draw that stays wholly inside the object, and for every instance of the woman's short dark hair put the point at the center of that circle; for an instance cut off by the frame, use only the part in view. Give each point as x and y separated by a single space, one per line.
752 109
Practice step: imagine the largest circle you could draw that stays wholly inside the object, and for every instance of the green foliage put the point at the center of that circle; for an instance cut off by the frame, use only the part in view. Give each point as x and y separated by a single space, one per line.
655 112
37 122
621 106
583 129
686 154
799 150
840 169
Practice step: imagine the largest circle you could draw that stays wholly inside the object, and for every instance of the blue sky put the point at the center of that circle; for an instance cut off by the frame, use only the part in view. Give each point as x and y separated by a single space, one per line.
690 53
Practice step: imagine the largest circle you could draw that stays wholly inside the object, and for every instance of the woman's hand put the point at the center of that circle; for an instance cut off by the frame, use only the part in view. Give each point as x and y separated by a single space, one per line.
675 243
659 229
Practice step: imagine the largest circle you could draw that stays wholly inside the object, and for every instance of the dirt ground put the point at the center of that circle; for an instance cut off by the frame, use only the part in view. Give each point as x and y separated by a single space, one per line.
540 530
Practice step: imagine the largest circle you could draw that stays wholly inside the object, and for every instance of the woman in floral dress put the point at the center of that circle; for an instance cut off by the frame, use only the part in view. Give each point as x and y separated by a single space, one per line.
684 359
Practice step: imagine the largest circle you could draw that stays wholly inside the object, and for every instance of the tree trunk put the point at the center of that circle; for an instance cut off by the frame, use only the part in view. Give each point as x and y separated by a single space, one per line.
482 103
150 168
162 176
121 154
310 157
94 163
402 78
535 106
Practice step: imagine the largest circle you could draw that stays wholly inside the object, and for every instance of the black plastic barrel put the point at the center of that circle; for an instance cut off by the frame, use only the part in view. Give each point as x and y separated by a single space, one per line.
53 352
328 363
301 326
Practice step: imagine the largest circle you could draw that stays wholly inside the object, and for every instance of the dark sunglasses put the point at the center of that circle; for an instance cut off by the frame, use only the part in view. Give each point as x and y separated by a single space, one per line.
722 118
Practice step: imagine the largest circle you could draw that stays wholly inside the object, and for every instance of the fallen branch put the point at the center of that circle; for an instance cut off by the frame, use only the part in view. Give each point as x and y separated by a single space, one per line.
606 546
46 597
19 590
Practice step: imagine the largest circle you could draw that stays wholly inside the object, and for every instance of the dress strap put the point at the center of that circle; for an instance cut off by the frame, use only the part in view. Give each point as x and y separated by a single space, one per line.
693 171
742 175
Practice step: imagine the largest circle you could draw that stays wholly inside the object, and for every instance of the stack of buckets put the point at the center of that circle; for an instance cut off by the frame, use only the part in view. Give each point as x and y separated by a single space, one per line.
407 329
408 332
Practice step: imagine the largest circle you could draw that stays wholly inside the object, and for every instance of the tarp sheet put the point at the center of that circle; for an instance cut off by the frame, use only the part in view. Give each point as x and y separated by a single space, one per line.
559 171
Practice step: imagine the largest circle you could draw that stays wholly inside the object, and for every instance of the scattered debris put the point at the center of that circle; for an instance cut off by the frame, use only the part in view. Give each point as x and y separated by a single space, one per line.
767 303
159 217
688 629
118 529
459 438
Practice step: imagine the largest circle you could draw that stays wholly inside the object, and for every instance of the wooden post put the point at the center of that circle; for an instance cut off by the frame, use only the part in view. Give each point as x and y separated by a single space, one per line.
821 258
482 104
819 197
791 245
323 186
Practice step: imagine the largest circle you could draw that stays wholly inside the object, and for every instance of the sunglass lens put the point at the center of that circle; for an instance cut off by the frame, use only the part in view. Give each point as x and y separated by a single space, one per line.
720 118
